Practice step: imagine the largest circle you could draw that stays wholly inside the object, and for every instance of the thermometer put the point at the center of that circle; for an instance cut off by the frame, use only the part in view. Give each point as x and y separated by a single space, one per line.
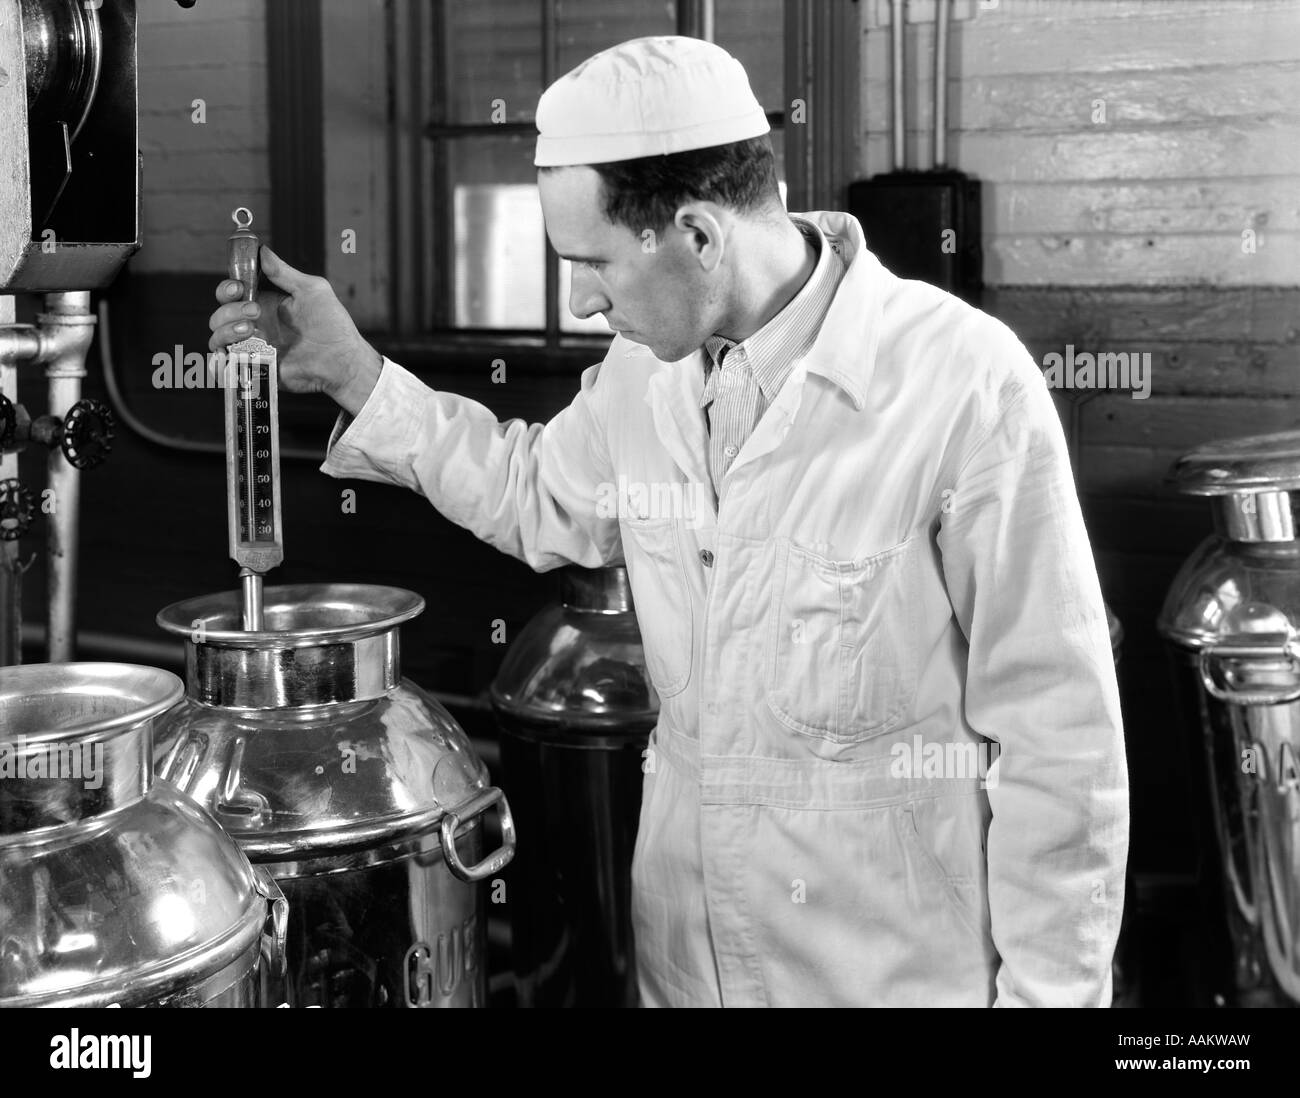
251 383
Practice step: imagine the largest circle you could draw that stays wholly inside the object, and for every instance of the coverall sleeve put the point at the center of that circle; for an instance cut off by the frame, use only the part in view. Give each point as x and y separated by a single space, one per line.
1041 683
531 490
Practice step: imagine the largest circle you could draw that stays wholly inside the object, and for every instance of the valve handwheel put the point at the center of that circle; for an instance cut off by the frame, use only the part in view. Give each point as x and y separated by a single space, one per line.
17 509
87 434
8 421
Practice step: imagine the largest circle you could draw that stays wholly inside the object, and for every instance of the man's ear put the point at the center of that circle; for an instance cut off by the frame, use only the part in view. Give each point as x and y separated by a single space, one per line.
703 232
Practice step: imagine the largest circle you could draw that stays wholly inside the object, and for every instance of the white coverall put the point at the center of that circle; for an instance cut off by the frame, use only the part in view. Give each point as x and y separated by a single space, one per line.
898 583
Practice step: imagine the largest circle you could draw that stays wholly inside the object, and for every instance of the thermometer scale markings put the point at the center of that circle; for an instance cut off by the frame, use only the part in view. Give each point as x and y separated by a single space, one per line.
253 456
253 439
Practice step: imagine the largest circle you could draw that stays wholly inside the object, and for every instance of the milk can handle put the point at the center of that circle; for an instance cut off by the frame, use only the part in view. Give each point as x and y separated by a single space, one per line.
1256 695
479 802
276 928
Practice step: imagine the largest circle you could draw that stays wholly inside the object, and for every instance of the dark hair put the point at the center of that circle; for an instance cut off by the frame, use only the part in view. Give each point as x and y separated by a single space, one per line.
645 193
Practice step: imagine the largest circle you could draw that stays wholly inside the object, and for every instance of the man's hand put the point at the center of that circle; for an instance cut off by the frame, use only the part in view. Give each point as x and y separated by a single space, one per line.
318 348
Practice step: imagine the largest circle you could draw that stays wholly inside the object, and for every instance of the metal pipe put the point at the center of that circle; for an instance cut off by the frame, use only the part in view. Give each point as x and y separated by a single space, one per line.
18 342
696 19
941 84
252 600
11 573
68 327
897 14
116 647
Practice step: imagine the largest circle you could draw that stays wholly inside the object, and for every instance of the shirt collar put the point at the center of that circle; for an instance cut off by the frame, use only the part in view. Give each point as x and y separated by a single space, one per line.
773 350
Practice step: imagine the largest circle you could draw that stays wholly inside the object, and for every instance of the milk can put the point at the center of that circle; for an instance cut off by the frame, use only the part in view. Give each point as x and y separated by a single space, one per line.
353 787
1232 617
115 889
575 709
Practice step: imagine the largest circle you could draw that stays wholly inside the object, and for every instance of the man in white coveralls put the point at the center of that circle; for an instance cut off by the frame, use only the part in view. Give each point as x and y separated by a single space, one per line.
873 568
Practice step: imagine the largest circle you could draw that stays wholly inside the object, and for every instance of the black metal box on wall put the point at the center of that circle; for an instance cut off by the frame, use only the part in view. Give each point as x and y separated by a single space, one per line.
924 225
69 147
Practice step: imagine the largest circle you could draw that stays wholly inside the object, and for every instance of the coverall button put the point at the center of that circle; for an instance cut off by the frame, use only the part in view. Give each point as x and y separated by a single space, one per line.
707 557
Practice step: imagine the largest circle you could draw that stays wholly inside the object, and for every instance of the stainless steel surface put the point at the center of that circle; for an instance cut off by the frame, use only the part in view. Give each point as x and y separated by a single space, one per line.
1250 482
575 708
596 590
114 888
252 615
67 327
1257 463
1256 516
451 825
1233 617
580 664
305 615
322 645
354 788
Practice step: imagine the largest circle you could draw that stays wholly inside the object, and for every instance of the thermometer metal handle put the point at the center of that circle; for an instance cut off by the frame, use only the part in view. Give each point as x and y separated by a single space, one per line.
242 251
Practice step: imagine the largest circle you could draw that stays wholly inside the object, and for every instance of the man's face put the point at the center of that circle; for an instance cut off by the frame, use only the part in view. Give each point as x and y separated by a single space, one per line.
649 285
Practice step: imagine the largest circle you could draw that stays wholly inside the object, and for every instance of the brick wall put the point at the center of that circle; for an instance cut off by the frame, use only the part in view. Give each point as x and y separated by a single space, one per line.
195 174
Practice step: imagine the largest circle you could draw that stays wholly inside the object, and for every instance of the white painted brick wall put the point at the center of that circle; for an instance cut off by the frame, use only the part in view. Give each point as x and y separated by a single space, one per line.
194 175
1201 138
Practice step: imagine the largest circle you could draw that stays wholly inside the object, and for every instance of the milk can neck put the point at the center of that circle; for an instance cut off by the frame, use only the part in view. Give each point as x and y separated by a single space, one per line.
322 645
76 742
602 590
1255 517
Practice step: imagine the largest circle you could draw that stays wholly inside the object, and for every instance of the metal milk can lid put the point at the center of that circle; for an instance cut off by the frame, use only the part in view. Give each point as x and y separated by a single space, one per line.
1252 464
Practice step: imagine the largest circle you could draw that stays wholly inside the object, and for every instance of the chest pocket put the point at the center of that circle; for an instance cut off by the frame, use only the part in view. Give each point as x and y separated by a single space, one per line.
843 657
663 606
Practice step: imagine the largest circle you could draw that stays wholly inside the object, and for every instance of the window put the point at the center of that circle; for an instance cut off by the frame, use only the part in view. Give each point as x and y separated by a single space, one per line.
498 271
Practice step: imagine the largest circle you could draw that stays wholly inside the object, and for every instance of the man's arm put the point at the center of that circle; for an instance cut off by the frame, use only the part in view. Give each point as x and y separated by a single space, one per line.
1040 682
531 490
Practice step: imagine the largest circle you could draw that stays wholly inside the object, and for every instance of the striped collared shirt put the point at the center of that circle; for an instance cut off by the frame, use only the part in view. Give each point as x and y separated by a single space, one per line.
742 379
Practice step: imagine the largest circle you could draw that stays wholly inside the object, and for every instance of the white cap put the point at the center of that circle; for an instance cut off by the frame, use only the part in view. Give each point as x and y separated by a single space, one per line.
646 97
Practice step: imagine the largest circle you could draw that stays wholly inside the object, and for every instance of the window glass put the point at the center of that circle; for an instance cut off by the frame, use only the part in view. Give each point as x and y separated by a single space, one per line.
500 250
